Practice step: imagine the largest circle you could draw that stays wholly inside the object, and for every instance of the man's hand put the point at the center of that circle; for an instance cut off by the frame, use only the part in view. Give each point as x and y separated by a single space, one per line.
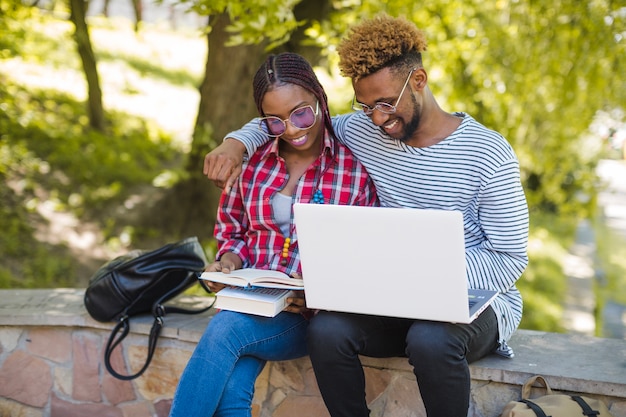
223 164
297 304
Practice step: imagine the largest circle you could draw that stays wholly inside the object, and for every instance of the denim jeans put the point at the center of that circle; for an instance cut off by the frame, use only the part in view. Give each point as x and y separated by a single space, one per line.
439 353
218 380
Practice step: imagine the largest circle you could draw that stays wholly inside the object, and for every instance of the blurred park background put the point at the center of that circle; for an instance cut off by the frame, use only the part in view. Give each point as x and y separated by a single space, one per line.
107 109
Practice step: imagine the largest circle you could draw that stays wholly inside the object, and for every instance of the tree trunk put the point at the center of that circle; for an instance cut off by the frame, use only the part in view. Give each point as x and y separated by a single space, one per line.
226 100
226 103
138 9
308 10
78 12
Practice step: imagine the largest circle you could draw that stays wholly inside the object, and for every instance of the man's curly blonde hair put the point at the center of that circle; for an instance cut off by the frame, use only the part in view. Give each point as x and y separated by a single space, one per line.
378 43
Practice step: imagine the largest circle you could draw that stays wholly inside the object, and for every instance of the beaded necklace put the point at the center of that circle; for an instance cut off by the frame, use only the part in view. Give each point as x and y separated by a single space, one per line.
318 198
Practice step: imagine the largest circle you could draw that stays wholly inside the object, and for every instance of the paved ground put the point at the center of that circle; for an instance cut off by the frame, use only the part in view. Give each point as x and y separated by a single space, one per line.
582 264
580 302
613 200
613 203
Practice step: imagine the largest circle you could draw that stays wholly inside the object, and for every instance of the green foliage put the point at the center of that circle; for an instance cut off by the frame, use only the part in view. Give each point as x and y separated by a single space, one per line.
54 129
252 22
543 284
26 262
42 133
54 168
533 72
12 13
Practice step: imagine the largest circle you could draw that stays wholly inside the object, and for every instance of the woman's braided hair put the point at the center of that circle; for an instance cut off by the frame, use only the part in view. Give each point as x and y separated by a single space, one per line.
290 68
380 43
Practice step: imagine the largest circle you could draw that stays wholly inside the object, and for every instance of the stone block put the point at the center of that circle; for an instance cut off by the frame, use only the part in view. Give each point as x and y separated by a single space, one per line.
376 382
261 389
618 408
161 377
140 409
13 409
86 380
287 374
488 398
10 338
50 343
63 380
117 391
162 408
401 399
310 383
26 379
300 406
61 408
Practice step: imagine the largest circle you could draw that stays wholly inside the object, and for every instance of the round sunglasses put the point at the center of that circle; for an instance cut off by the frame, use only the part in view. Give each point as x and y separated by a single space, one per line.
301 118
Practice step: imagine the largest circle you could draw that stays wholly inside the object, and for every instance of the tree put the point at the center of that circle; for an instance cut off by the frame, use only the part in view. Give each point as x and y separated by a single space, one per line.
78 11
138 10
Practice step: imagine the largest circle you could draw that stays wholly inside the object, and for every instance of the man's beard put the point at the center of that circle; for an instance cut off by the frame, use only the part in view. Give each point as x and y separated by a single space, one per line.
411 127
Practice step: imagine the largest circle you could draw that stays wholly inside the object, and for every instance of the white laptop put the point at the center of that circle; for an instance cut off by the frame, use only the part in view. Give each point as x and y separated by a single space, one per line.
397 262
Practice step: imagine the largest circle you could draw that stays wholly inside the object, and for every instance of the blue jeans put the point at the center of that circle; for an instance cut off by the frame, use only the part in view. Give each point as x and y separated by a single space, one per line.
218 380
439 353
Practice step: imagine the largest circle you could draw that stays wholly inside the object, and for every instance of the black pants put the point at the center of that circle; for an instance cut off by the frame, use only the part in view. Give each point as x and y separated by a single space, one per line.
439 353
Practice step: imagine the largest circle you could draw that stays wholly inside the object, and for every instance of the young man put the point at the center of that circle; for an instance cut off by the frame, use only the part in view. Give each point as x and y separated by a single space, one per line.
419 156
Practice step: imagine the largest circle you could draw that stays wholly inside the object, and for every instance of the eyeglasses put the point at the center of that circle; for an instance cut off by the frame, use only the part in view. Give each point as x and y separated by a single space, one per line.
381 106
301 118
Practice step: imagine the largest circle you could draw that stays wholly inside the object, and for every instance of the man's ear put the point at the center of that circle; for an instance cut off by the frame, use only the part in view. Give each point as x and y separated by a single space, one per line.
420 79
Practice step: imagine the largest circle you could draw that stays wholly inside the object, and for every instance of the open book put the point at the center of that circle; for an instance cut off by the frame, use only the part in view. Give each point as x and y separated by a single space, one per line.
250 277
254 291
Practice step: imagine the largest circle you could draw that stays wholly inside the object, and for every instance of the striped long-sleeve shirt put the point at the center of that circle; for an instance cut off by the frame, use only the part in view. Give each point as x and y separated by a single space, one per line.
475 171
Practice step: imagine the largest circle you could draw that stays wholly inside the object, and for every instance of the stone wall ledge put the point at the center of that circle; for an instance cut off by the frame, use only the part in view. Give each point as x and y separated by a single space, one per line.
589 366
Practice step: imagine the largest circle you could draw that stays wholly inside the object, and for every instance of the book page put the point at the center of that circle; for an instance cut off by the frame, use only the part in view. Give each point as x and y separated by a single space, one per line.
255 277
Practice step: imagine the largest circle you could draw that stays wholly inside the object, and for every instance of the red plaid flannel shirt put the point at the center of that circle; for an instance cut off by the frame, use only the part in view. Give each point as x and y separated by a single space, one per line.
245 224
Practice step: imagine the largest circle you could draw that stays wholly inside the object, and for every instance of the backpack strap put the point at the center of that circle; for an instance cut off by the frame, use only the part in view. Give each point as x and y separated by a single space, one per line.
124 325
536 409
587 410
159 310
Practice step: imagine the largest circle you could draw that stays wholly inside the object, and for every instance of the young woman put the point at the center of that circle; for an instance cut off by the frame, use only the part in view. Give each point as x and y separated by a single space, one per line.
303 163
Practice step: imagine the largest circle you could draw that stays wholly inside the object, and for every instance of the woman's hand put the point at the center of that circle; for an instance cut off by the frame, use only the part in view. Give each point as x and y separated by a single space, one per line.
223 164
228 262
